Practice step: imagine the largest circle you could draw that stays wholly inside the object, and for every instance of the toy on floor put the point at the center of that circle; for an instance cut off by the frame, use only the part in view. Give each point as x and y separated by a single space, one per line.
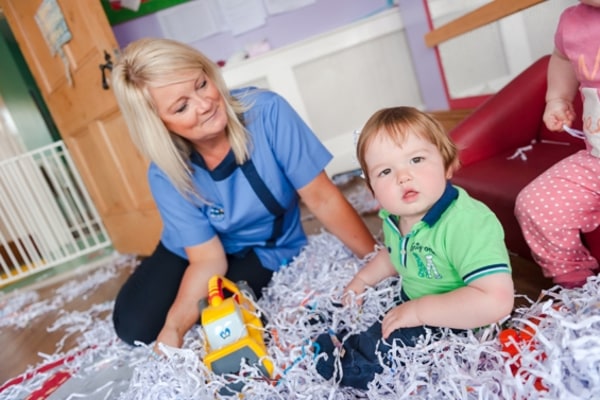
233 331
514 341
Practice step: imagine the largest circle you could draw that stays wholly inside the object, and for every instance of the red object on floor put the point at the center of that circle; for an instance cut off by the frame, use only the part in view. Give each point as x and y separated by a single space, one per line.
28 375
514 343
51 384
494 131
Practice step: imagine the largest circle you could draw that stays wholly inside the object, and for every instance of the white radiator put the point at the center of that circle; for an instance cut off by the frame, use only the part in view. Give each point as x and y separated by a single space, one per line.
46 215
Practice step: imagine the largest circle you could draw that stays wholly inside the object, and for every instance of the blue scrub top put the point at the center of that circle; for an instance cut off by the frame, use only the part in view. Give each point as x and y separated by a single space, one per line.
285 155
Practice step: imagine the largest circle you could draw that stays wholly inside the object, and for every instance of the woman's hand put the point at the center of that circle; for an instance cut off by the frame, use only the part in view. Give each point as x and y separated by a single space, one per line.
206 260
168 336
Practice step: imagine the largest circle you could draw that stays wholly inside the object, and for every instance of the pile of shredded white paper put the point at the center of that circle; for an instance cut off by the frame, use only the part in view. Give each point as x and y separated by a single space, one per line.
302 302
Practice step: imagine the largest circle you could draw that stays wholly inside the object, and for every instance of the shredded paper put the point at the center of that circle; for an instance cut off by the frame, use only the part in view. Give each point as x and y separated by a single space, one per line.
554 355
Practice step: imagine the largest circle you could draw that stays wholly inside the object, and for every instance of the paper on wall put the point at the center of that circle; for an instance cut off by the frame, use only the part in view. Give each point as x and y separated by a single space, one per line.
133 5
243 15
281 6
55 31
192 21
51 22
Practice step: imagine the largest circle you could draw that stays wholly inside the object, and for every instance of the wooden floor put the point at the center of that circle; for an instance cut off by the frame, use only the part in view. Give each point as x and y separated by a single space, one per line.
20 348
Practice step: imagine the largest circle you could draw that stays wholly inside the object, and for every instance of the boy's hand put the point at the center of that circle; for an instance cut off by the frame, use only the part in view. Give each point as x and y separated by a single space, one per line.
357 286
558 112
401 316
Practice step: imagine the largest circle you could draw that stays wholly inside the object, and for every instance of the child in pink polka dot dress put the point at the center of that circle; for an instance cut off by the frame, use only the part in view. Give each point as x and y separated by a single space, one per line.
564 201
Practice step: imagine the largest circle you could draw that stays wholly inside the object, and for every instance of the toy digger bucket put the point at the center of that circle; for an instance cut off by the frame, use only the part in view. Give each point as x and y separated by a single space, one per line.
217 283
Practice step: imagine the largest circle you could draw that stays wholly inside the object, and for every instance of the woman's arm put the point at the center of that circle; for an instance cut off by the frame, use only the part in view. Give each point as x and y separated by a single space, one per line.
484 301
338 216
206 260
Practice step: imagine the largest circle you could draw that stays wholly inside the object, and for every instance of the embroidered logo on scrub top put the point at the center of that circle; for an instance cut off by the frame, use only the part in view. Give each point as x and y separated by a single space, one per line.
216 213
424 258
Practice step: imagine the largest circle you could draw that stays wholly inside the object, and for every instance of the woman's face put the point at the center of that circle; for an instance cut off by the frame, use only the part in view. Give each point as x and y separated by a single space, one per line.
193 108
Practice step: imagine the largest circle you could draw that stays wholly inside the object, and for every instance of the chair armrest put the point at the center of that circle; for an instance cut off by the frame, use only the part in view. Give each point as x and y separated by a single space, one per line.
509 119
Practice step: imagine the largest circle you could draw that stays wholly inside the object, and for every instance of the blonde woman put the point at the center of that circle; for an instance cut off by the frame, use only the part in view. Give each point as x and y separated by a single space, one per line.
227 171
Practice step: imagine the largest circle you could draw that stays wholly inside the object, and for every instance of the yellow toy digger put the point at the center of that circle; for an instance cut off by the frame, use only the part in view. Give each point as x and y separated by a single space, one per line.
232 329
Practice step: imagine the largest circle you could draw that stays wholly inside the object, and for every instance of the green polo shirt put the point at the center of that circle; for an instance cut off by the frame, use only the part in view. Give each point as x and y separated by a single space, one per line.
458 241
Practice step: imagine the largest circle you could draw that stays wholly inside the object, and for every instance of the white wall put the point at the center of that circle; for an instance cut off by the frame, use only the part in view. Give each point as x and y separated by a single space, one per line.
337 80
484 60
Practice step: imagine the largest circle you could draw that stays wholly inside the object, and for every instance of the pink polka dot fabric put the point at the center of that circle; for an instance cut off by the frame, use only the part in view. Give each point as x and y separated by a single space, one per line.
554 209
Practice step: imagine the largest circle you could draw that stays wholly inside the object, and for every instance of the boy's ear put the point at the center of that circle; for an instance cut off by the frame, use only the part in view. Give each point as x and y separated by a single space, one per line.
452 168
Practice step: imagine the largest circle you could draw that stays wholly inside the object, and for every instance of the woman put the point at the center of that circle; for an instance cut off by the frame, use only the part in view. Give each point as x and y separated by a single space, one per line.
227 171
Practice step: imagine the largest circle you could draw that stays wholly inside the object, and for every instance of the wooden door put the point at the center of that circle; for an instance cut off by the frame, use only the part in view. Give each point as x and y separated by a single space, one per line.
88 118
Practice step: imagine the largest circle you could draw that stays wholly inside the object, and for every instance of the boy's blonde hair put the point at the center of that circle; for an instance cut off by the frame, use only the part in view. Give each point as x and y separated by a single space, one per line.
149 63
398 122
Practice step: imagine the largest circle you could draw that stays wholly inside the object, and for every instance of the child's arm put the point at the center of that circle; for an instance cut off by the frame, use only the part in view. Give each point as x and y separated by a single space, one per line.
376 270
484 301
562 88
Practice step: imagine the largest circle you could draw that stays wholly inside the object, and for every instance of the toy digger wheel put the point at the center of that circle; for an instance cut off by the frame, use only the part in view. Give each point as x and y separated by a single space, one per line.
244 287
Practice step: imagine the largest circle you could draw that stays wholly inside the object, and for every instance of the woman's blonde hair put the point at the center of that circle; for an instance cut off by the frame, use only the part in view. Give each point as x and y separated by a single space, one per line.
158 62
398 123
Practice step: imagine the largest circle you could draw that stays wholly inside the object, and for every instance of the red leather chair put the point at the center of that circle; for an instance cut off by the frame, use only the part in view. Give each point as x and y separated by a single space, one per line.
494 132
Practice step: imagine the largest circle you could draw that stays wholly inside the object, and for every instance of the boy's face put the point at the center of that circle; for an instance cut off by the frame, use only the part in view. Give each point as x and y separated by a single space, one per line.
408 179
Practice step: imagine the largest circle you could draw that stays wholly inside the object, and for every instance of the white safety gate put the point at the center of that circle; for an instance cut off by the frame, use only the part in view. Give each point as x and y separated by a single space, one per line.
46 215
